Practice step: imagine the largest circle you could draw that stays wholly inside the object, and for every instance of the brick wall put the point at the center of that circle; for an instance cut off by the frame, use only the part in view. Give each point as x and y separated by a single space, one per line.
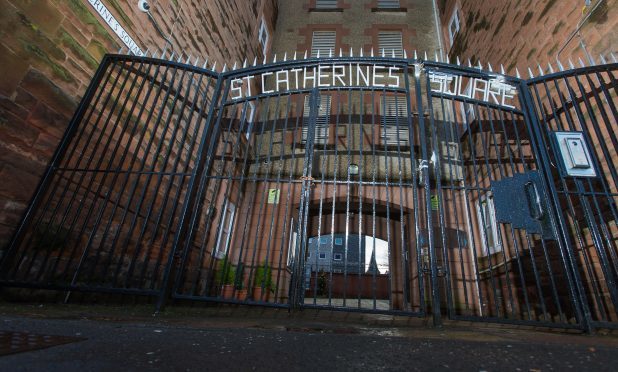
50 48
526 32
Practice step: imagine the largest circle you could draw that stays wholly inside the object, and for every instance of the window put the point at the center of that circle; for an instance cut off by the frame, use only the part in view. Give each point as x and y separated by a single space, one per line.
324 240
467 109
326 4
323 42
322 256
388 4
310 240
225 230
390 42
338 241
394 125
337 256
453 26
322 121
249 116
263 36
489 228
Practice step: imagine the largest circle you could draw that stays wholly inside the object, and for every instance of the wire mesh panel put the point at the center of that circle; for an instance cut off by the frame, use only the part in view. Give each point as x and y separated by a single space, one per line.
108 211
583 102
496 244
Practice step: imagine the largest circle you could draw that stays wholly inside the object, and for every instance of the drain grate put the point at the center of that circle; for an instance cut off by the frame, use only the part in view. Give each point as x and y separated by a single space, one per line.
19 342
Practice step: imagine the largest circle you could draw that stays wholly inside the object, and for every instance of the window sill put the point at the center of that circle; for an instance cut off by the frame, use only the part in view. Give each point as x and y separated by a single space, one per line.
326 10
389 10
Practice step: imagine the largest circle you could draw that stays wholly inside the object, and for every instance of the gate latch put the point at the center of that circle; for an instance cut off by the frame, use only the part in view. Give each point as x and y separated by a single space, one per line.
521 201
574 154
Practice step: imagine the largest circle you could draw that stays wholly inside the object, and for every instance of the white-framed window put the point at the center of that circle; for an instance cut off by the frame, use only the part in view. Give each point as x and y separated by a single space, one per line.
322 124
322 256
467 109
489 228
337 257
326 4
391 42
249 118
388 4
394 124
323 42
324 240
453 26
225 230
338 241
292 244
263 36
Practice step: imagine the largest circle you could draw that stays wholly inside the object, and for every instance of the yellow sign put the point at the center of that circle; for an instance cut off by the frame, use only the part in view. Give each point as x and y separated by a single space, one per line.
435 202
273 196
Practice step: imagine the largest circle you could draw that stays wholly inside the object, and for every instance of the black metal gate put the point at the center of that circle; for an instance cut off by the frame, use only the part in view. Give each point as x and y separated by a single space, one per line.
384 185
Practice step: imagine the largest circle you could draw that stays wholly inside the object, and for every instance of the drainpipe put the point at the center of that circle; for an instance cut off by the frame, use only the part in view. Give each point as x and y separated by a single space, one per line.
577 33
156 25
438 28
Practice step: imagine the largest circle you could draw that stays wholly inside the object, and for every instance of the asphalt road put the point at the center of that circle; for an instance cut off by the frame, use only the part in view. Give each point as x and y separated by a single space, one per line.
149 345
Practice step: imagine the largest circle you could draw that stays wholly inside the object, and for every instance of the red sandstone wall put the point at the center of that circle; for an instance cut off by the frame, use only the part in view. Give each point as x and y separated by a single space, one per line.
50 48
524 33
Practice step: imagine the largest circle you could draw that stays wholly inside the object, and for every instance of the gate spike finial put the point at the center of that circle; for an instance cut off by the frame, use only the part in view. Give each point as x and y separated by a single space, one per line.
393 53
571 65
224 67
318 55
234 67
372 52
361 51
530 73
205 65
254 61
196 61
458 61
285 56
163 54
146 52
264 61
295 55
340 52
415 55
435 56
275 58
613 56
305 57
592 61
171 56
179 58
469 63
448 59
330 53
121 49
603 61
154 55
426 57
551 68
541 72
480 65
517 73
383 54
405 54
214 66
351 52
188 59
560 66
581 63
244 64
489 67
502 69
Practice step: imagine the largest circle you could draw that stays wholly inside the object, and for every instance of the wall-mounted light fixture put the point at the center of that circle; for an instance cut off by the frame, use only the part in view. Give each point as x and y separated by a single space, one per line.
353 169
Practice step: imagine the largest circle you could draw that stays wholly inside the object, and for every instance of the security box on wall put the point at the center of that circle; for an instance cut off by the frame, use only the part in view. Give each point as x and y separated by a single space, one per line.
574 154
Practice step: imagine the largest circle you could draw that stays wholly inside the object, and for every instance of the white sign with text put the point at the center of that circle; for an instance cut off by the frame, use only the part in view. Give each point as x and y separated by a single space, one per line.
116 27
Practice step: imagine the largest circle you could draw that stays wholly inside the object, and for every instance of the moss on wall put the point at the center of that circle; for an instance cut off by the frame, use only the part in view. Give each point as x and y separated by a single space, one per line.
68 41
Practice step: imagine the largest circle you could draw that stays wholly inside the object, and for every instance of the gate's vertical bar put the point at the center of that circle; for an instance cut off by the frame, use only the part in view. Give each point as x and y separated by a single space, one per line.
193 191
297 287
575 285
435 293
